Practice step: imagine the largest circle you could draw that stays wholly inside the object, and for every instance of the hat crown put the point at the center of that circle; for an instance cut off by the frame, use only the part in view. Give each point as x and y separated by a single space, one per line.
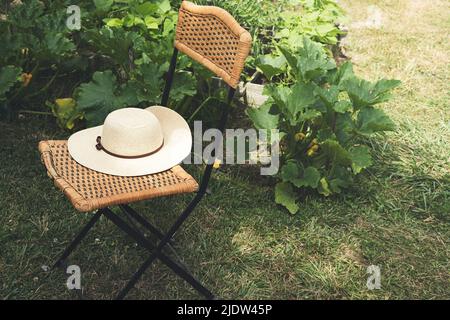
132 132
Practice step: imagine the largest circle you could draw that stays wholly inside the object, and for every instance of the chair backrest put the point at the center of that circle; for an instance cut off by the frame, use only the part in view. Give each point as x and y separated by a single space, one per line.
212 37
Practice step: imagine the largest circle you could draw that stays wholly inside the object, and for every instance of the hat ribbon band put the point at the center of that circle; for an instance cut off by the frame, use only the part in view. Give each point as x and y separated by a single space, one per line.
100 147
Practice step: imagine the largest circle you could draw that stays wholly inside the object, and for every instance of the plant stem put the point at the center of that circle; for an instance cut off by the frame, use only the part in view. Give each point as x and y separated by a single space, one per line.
36 112
199 108
45 87
334 122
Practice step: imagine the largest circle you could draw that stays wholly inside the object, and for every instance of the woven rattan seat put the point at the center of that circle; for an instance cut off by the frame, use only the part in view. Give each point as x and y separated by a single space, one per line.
89 190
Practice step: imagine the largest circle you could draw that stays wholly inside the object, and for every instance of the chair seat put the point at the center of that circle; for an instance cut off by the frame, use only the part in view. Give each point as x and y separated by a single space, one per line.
89 190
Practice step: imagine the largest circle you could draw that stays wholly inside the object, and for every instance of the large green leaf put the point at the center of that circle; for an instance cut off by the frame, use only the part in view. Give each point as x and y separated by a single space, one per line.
324 188
103 5
342 106
290 58
152 75
310 63
344 128
113 43
325 134
372 120
326 32
113 22
301 97
65 112
261 117
294 173
291 171
313 62
164 6
329 96
127 95
361 158
9 75
153 8
56 46
149 84
293 102
151 22
25 16
364 93
308 114
146 8
336 153
184 85
311 177
271 65
285 195
339 75
341 179
131 20
335 185
98 92
279 95
101 96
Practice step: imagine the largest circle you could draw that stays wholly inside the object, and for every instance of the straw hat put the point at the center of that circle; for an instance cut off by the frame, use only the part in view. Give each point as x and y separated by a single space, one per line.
133 142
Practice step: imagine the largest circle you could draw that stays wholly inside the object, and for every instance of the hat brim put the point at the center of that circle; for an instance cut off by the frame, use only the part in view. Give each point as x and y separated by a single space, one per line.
177 146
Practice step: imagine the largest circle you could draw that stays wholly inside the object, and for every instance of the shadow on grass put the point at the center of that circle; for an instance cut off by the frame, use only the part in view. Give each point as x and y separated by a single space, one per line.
238 242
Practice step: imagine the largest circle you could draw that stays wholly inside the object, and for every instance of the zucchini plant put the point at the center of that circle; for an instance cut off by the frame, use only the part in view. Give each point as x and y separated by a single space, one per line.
35 52
325 114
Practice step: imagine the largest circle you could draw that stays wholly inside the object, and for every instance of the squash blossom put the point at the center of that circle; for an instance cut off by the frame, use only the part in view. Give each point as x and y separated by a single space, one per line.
26 78
299 136
313 143
65 102
312 150
216 164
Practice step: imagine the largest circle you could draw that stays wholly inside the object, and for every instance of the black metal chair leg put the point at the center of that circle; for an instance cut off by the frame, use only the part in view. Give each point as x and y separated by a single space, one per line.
141 240
136 216
134 279
132 214
77 239
184 215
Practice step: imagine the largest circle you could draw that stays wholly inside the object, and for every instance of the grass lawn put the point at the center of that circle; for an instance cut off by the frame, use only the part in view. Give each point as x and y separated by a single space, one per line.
238 241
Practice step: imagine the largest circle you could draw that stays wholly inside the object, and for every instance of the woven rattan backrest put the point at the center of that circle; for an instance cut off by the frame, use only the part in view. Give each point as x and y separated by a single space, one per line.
212 37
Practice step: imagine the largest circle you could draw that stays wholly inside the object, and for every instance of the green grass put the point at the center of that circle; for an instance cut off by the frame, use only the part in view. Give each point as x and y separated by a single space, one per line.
239 242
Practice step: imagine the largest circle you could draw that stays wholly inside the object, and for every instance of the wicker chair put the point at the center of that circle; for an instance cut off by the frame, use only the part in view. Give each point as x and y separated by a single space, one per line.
213 38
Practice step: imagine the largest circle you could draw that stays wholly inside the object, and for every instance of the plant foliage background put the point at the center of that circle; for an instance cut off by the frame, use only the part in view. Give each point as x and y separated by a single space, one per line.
121 54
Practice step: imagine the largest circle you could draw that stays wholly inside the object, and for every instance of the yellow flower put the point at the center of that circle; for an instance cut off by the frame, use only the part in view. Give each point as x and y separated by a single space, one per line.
313 143
26 78
65 103
216 164
311 151
299 136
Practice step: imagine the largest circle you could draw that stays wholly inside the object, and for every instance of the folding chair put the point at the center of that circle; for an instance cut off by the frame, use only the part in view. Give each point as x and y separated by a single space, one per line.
210 36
